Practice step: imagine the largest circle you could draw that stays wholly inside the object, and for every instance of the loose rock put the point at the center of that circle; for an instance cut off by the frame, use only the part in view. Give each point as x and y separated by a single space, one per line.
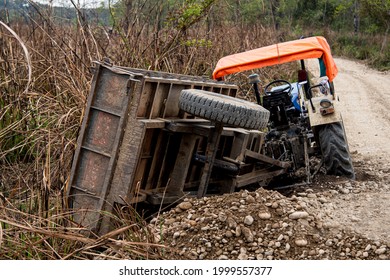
298 215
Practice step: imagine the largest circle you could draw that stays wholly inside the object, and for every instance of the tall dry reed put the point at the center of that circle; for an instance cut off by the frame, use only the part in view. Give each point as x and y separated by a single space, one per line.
39 126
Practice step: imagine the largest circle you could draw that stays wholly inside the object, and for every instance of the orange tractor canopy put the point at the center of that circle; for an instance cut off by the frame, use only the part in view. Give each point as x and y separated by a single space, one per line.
312 47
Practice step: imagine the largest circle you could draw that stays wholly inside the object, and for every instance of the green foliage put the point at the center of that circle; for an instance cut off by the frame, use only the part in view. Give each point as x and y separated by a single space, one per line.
364 47
378 11
190 12
253 11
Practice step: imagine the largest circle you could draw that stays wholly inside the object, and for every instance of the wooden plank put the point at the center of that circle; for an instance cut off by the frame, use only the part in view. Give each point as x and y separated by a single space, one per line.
172 109
189 128
108 111
165 159
128 160
157 160
153 123
256 141
239 145
182 164
130 150
80 139
188 121
199 127
160 100
144 104
130 87
266 159
257 176
211 152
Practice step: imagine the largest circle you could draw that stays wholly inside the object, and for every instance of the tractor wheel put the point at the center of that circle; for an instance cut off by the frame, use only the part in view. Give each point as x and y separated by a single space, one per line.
224 109
335 152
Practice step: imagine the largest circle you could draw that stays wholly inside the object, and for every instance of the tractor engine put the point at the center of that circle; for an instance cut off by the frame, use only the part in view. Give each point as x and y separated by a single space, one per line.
288 128
286 145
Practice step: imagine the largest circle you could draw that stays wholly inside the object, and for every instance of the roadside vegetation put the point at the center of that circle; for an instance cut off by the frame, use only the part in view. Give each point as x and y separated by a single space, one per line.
40 114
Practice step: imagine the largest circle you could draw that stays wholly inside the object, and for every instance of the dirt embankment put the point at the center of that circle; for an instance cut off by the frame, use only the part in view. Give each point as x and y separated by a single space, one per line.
333 218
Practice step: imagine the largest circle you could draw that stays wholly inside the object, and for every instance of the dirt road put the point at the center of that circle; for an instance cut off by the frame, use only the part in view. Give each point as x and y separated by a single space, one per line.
365 101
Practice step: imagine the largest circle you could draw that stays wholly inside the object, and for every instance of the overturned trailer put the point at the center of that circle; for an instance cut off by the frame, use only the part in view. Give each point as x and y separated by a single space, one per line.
156 138
136 145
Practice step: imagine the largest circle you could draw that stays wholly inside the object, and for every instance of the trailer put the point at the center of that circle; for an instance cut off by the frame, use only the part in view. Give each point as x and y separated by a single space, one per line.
136 145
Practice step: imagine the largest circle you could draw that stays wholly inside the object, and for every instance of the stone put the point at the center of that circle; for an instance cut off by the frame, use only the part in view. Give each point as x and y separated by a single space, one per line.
231 222
259 257
300 241
275 205
242 257
355 219
248 220
298 215
222 216
380 251
185 205
192 223
169 221
248 235
250 199
264 215
322 200
345 191
238 231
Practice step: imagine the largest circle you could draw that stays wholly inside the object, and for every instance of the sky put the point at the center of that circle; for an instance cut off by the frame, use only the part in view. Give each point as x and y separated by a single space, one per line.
82 3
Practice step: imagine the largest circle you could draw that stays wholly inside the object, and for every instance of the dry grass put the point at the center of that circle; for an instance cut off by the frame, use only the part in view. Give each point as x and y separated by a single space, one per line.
28 236
40 115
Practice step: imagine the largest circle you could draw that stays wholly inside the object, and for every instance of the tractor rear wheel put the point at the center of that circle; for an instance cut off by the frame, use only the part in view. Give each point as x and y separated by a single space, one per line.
335 152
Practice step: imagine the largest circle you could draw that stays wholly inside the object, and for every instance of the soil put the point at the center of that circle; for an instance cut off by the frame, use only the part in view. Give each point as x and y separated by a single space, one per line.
364 103
333 218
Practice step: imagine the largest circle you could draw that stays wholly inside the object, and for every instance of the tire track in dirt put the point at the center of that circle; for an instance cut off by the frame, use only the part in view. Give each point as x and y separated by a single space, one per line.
364 102
364 96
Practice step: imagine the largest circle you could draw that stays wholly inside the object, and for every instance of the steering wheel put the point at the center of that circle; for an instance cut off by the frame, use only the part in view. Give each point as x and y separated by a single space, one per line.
287 88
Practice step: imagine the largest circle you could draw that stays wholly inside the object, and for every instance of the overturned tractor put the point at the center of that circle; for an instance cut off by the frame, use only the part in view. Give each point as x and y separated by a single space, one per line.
156 138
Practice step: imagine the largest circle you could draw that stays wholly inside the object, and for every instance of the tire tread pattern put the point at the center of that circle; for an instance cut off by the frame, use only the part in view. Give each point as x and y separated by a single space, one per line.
224 109
335 152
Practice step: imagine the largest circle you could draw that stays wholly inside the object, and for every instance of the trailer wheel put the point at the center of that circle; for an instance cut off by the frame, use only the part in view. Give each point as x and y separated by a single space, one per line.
225 109
335 152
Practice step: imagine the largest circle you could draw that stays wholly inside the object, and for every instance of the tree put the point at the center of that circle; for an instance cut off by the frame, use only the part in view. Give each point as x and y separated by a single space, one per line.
379 13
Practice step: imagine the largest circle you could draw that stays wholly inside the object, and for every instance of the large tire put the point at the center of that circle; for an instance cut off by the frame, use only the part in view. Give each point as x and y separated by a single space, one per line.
224 109
335 152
